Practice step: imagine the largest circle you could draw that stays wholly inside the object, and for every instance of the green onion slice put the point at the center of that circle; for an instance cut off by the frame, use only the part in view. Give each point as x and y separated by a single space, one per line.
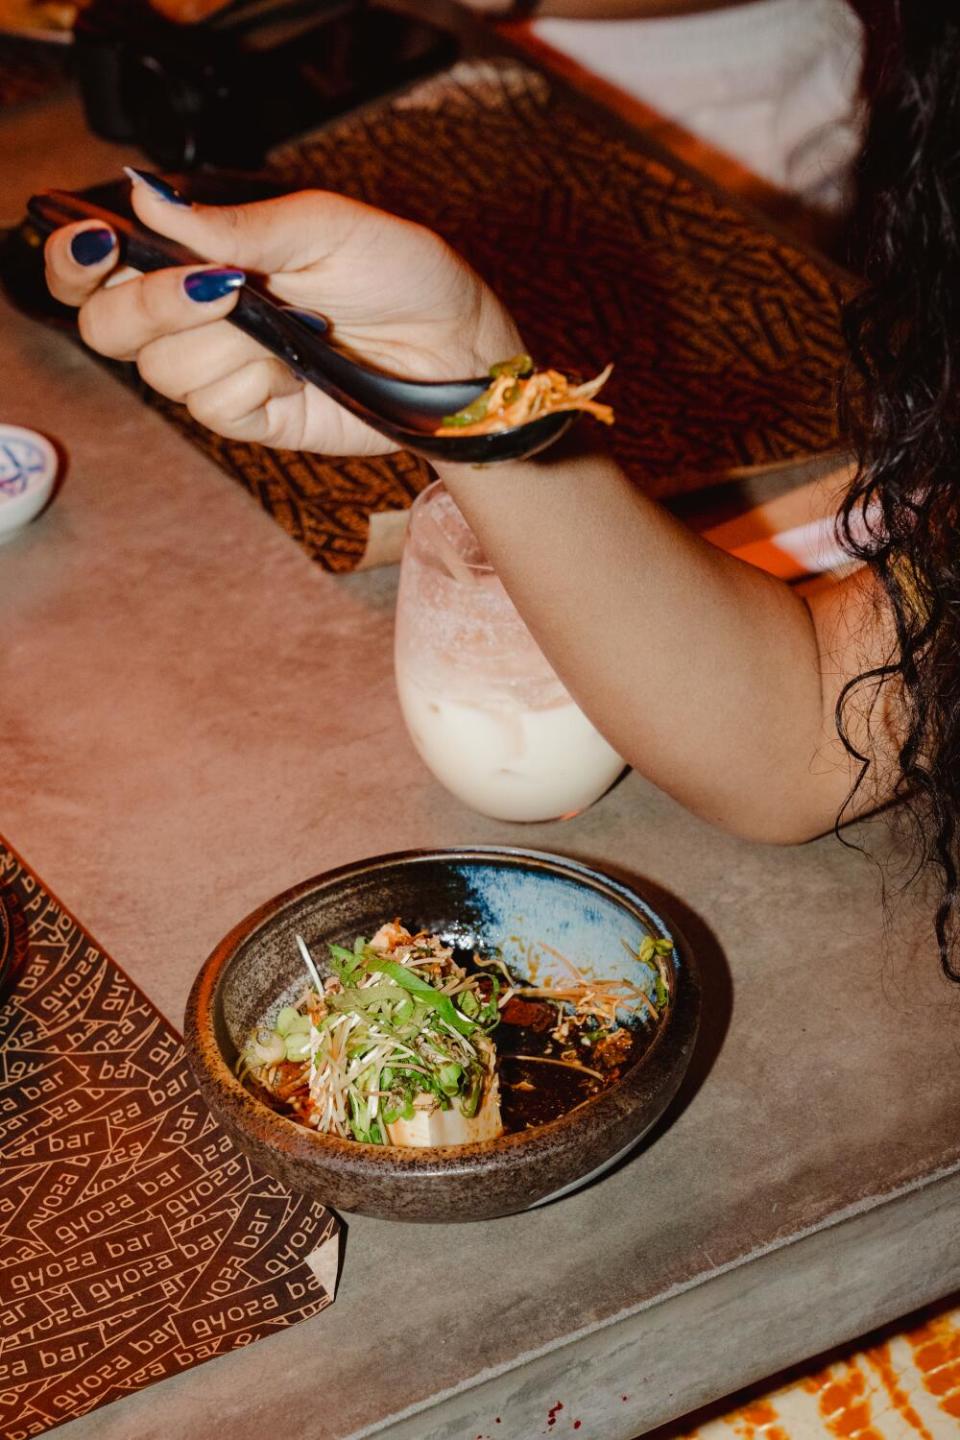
424 992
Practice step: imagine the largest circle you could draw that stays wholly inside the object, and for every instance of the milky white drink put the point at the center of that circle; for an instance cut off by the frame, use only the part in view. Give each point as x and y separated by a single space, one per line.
485 710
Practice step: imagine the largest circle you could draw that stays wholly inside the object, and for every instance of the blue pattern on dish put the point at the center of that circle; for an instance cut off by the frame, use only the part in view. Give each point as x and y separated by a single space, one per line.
595 931
20 460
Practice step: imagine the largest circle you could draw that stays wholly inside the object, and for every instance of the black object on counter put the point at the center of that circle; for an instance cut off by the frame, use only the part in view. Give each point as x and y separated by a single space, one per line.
225 91
13 942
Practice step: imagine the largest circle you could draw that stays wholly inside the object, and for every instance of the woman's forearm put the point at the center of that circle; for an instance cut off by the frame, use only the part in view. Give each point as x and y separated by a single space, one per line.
705 673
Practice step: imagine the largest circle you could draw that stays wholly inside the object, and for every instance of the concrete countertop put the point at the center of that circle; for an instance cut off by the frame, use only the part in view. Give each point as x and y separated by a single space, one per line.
193 717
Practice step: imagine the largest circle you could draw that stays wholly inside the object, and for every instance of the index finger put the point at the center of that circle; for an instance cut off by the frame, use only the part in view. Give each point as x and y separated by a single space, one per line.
286 233
78 258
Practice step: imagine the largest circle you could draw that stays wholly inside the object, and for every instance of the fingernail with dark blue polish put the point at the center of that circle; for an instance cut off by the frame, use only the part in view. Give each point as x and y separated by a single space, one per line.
206 285
89 247
161 188
309 318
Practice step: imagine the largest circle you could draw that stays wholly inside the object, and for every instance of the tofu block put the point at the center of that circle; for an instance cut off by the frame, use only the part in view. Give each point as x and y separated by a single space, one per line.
433 1126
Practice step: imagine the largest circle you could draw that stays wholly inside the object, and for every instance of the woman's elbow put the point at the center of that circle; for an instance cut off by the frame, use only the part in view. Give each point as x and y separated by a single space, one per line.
766 819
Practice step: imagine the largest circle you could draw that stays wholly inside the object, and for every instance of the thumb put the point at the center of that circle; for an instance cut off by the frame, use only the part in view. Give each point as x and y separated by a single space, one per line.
268 236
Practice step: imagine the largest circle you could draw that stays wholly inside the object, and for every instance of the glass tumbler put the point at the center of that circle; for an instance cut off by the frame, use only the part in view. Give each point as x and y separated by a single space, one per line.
487 713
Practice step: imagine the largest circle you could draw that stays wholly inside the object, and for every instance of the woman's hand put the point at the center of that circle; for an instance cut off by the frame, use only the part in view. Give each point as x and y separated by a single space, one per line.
394 293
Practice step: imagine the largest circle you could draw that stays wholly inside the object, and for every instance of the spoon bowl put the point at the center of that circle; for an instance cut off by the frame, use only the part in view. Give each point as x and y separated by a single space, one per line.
408 411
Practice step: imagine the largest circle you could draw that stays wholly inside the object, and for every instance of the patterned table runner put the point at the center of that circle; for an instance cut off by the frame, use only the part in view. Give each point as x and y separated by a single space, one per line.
901 1383
135 1240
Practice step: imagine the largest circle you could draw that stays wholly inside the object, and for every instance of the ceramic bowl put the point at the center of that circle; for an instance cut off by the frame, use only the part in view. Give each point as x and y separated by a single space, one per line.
28 469
519 902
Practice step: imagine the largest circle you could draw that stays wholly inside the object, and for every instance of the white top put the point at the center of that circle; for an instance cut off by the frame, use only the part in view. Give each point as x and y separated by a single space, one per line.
773 83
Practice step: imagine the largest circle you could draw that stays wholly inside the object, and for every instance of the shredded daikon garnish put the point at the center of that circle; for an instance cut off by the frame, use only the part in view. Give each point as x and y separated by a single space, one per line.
400 1020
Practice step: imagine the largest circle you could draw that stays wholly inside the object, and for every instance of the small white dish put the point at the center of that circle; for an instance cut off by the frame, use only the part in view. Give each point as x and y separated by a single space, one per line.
28 469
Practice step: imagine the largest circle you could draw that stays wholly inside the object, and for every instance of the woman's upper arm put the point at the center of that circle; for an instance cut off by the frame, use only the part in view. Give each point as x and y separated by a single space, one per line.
855 635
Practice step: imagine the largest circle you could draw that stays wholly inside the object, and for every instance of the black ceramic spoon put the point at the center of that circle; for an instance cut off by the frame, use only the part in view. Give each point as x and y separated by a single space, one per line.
407 411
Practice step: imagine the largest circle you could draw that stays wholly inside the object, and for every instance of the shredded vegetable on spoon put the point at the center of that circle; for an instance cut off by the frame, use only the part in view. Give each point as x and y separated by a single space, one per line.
518 393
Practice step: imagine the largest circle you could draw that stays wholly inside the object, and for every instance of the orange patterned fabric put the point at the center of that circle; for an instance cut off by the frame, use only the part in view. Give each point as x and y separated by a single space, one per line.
904 1387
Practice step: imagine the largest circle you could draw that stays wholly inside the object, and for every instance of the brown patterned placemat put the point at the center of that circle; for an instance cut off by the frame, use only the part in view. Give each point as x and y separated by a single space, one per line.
324 503
135 1240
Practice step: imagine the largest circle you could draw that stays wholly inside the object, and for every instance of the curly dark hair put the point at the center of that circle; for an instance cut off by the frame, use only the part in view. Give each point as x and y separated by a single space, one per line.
903 406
